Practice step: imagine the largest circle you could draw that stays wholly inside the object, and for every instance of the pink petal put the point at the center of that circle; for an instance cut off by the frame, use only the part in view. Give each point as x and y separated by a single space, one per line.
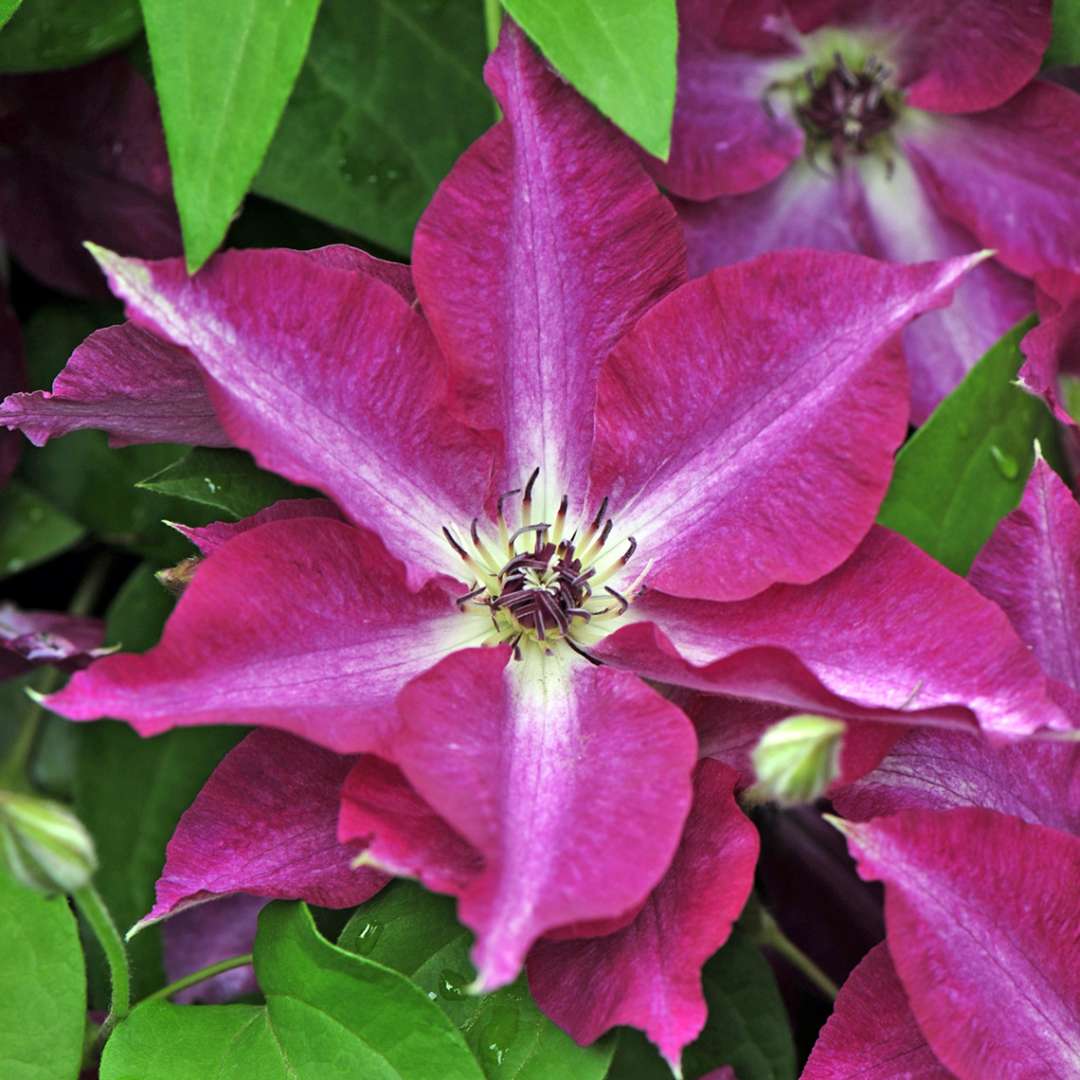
305 625
571 781
128 382
1009 175
31 638
982 927
756 412
330 378
544 244
876 639
265 824
940 770
872 1033
85 159
725 140
648 974
208 538
952 56
1053 347
1030 568
12 380
942 347
345 257
202 935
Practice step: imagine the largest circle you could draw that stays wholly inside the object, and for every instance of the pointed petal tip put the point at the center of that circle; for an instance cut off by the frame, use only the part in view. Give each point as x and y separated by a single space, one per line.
140 926
847 828
37 697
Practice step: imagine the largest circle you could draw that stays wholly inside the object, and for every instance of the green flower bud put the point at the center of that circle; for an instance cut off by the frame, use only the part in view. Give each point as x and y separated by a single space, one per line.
44 844
797 759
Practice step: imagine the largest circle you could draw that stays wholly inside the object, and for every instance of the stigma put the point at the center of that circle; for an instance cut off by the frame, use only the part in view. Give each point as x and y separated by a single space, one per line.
541 586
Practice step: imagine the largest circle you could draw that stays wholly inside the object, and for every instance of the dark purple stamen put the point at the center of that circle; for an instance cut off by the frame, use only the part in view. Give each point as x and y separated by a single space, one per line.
848 110
552 606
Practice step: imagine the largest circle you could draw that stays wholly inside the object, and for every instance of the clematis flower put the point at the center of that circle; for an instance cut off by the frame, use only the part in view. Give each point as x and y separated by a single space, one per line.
1052 349
1030 567
904 131
973 980
31 638
84 158
561 469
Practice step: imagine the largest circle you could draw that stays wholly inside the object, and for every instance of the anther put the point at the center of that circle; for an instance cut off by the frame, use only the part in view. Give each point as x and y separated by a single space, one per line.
540 526
623 602
527 497
452 541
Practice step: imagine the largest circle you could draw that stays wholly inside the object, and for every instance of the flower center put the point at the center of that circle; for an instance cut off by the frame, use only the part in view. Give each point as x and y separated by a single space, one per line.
540 586
848 111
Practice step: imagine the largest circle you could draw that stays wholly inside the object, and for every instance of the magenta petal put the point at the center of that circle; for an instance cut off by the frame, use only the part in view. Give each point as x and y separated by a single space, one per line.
542 246
755 412
128 382
648 975
1053 347
208 538
1009 175
304 625
265 824
877 638
30 638
405 836
1030 567
345 257
200 936
983 924
330 378
571 781
872 1033
724 139
84 159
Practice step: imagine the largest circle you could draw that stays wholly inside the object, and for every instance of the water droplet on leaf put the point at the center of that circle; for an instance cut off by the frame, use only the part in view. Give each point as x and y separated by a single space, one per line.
452 985
365 941
1007 465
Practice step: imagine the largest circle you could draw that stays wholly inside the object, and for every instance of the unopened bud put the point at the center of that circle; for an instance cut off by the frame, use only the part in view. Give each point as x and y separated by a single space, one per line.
177 578
44 844
797 759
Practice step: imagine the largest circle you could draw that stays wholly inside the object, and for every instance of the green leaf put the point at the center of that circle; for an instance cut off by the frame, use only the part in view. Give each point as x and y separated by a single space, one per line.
966 467
1064 49
7 9
44 34
43 1004
79 473
223 73
224 479
390 95
130 791
415 932
620 54
31 529
329 1015
747 1026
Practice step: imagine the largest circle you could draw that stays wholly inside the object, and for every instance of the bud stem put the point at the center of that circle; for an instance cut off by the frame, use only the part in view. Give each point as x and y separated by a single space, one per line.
199 976
96 915
765 931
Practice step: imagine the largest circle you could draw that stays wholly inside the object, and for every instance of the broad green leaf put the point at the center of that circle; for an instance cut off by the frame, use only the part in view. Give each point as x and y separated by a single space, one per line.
130 791
31 529
7 9
43 1004
224 479
44 34
223 73
966 467
390 94
620 54
1064 49
79 473
747 1026
415 932
329 1015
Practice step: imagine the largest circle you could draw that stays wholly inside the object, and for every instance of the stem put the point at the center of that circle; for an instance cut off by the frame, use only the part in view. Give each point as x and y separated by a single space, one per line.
766 932
13 771
198 976
93 910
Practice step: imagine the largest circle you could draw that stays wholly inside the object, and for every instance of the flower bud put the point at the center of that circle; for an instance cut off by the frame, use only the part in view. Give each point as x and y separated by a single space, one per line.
43 844
177 578
797 759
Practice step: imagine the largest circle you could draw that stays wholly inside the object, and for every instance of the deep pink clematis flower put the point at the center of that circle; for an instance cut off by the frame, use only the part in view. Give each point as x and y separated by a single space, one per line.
1052 349
558 422
84 158
1030 567
904 131
978 975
